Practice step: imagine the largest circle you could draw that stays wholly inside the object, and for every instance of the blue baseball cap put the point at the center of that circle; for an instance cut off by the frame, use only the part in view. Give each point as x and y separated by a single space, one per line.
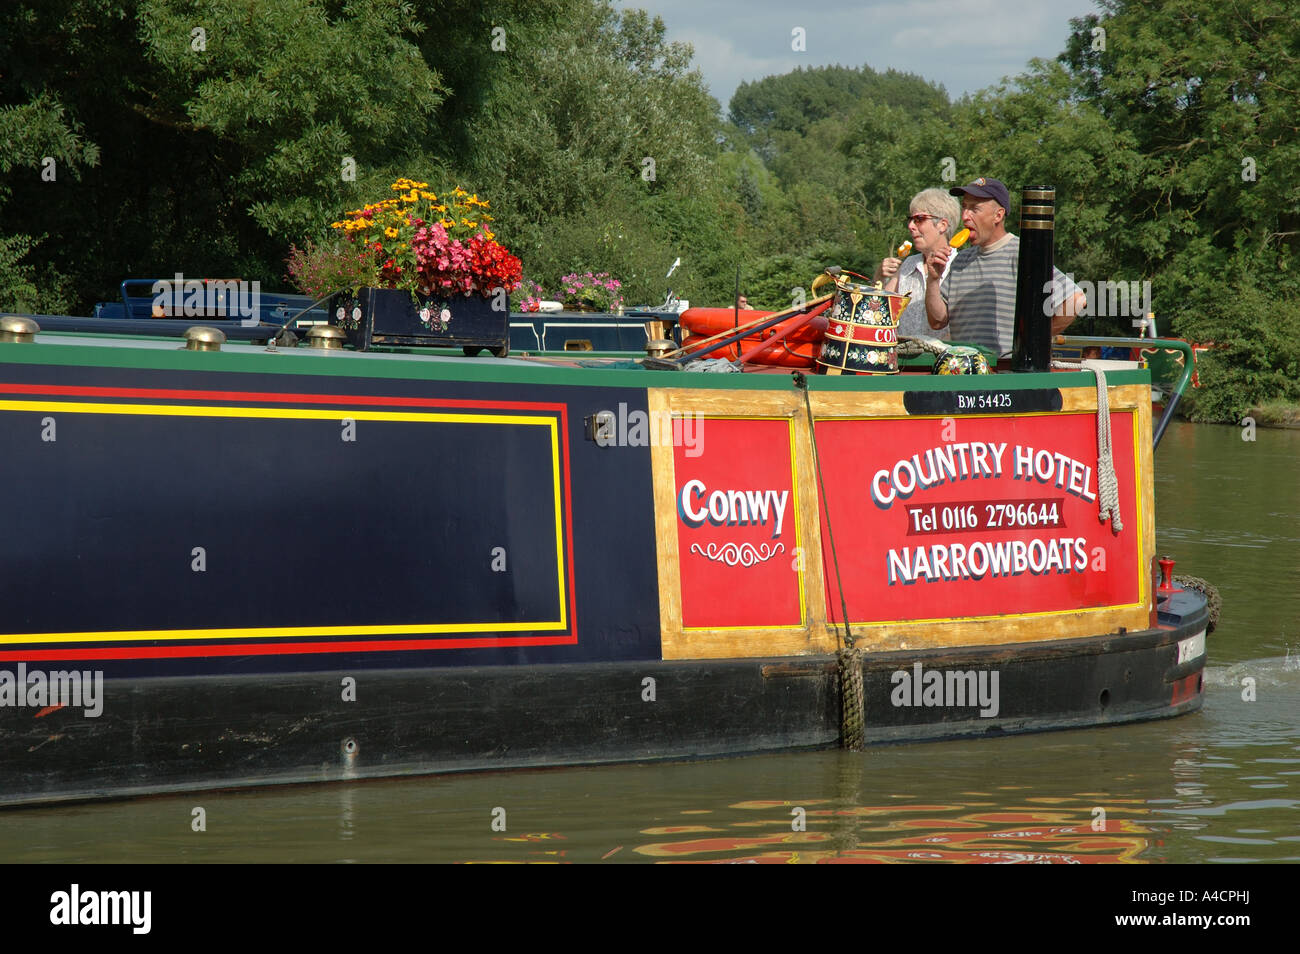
985 189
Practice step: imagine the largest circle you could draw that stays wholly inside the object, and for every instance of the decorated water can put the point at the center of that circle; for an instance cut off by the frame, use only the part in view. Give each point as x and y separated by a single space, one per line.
861 327
960 359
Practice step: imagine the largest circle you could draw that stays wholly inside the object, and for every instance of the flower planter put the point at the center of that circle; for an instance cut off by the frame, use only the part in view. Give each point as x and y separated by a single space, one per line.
383 317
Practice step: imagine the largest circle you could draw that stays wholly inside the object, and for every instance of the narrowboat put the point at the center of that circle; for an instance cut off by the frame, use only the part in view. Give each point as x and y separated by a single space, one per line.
266 564
248 560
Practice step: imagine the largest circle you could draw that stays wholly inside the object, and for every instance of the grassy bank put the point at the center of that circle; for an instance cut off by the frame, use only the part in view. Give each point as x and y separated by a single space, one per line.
1276 414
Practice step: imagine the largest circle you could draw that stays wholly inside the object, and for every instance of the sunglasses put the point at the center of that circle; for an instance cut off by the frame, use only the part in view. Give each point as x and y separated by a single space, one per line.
920 217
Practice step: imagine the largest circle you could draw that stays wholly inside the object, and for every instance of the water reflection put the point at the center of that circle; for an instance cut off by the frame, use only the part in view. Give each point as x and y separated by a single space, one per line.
926 833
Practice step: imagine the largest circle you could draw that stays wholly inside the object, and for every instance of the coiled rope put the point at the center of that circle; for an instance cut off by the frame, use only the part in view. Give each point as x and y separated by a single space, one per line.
714 366
1213 601
909 346
1107 484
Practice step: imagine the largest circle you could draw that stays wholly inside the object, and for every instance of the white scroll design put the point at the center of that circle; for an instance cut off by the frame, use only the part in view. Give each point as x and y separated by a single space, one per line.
738 554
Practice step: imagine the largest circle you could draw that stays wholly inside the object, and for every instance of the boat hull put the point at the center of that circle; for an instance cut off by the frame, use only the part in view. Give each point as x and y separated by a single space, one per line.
191 733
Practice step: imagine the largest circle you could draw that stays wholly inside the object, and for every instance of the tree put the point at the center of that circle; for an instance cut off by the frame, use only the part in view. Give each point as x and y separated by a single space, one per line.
38 143
794 101
1207 95
218 135
594 125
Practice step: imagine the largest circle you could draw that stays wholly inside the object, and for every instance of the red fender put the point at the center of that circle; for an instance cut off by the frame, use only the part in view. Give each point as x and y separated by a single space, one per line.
799 349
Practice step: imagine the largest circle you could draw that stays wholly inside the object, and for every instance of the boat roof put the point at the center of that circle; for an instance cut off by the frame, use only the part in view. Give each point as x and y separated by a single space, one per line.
446 363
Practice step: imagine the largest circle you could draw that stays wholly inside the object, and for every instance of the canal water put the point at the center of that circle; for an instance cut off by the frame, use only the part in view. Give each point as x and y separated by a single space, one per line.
1218 786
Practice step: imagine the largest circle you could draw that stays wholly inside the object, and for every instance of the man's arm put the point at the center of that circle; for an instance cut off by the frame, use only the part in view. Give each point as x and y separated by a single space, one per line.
1064 316
936 309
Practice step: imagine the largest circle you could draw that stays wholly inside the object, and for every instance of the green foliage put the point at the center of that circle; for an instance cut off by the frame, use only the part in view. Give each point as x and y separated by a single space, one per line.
291 94
796 101
600 102
1173 147
775 282
1205 98
32 131
17 288
1256 330
637 238
317 269
26 287
37 143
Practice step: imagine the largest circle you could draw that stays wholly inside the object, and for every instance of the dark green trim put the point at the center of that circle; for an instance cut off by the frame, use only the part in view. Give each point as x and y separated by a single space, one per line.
256 359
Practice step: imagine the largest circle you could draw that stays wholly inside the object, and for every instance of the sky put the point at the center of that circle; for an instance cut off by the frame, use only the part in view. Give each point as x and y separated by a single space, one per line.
966 45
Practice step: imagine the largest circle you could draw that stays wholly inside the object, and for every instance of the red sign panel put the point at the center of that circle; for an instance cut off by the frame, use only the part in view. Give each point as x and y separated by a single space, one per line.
737 526
976 516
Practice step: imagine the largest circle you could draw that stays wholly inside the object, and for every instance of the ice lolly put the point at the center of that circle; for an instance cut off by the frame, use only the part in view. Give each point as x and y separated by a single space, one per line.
960 238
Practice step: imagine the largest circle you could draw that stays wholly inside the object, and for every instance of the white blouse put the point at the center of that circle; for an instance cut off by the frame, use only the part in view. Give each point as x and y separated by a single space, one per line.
911 278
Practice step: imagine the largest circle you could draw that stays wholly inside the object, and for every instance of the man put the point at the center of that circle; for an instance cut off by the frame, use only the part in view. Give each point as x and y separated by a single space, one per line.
977 299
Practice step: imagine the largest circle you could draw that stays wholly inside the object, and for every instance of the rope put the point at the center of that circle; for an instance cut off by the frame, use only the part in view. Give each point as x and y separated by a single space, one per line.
852 699
1213 601
1107 484
909 346
801 383
715 366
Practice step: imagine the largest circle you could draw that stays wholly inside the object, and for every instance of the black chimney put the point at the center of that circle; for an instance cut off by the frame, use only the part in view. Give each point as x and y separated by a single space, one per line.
1032 344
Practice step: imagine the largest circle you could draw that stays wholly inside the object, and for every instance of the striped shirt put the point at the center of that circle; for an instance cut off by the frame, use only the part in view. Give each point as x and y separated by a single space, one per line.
980 292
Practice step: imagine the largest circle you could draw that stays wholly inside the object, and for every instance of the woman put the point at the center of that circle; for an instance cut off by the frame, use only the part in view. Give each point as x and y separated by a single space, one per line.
933 217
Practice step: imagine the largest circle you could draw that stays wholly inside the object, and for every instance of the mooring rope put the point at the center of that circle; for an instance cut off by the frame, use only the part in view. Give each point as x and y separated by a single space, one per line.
1213 601
1107 483
801 383
849 659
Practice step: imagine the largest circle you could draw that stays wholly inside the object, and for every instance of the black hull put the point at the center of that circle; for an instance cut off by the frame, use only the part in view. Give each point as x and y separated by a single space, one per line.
162 735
